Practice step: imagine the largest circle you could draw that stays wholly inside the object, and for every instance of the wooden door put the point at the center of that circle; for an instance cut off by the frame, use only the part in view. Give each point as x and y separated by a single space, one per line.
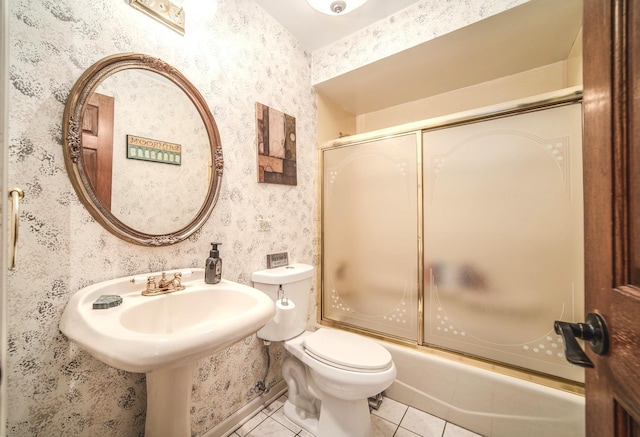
97 145
612 211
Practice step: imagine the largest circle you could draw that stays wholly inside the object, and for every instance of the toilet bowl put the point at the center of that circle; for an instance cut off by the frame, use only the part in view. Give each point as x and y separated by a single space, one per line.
330 373
342 370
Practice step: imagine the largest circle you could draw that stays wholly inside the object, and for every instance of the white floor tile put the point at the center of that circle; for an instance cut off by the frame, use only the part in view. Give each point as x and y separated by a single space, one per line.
282 419
422 423
250 424
271 428
273 406
452 430
381 427
271 422
401 432
391 410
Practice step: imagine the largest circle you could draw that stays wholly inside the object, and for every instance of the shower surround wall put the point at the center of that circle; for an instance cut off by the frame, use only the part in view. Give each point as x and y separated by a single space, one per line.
236 55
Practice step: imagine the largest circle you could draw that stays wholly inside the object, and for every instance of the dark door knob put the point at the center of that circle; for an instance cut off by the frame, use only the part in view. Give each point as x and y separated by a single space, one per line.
594 332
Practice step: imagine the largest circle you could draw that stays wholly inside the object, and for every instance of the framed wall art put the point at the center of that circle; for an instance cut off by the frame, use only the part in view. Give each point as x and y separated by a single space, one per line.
276 137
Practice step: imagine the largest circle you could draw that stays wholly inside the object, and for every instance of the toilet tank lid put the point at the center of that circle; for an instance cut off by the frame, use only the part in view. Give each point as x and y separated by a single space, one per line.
283 275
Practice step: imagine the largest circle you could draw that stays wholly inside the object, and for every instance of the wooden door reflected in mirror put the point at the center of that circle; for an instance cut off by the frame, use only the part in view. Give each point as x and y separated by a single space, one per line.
97 144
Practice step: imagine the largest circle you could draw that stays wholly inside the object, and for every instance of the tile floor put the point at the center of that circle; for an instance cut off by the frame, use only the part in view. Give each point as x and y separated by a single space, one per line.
392 419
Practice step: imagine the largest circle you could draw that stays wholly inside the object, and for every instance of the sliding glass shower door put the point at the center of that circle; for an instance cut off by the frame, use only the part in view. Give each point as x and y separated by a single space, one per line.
467 236
370 235
503 237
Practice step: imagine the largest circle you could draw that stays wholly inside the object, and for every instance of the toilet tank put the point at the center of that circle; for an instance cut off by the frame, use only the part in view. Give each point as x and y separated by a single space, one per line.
295 280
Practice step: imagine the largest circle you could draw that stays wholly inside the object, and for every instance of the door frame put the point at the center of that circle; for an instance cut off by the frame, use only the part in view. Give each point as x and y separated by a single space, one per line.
607 134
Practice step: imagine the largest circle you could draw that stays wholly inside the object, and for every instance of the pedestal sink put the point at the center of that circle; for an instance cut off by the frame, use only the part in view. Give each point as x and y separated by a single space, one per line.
164 335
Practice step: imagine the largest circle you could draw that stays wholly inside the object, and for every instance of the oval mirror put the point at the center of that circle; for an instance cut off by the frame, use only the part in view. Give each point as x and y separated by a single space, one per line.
142 149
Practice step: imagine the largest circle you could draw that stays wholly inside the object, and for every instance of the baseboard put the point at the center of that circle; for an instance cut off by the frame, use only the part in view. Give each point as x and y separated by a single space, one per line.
228 425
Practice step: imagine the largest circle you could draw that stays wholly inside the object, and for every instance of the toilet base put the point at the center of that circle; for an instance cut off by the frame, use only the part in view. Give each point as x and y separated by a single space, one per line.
338 418
300 418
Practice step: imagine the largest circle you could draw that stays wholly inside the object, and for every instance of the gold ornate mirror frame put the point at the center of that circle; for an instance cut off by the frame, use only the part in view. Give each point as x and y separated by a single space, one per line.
72 137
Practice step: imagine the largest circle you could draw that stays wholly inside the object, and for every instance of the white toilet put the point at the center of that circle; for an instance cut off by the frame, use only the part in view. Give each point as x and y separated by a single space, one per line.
331 373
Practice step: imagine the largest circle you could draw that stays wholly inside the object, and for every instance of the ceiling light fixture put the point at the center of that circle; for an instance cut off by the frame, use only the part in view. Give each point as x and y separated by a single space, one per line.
336 7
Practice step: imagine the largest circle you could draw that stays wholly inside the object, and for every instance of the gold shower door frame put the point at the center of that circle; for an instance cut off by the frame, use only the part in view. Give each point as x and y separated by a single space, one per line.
567 381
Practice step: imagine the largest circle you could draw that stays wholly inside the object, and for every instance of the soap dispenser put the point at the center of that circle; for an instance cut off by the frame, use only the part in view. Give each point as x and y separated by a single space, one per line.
213 266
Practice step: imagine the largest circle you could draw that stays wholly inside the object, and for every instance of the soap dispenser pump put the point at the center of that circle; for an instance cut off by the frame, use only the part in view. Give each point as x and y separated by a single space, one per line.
213 266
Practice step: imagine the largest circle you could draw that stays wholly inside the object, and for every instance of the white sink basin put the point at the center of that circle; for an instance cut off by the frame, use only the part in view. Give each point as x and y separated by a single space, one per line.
147 333
191 311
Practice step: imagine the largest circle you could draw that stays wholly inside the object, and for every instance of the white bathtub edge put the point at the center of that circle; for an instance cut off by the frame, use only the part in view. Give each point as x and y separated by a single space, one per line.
485 402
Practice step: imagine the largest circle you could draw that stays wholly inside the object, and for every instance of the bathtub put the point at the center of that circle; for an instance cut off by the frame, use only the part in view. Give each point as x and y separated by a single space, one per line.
485 402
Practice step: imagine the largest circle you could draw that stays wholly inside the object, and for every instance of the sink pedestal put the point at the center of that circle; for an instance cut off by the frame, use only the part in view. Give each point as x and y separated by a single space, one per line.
165 335
169 402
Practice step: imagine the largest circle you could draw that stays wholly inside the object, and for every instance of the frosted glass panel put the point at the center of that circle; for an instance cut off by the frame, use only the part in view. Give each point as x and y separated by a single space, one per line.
503 237
370 242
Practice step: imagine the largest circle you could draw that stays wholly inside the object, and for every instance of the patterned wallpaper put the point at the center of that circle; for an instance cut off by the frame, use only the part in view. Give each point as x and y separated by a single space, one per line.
418 23
54 388
236 55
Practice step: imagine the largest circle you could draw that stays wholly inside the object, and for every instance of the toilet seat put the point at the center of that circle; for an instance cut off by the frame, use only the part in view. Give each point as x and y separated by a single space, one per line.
347 351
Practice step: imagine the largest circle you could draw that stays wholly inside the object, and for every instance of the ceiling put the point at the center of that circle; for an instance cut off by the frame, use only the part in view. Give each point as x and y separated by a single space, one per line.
315 29
537 33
